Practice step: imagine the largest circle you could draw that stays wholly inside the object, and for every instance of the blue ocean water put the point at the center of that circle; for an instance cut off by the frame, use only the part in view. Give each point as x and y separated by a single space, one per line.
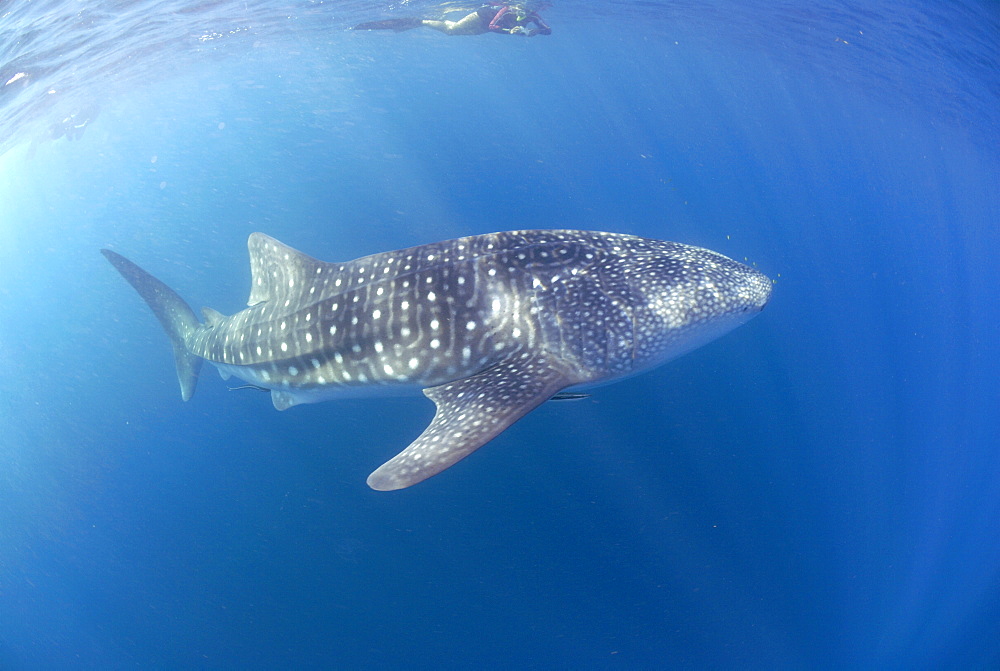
817 489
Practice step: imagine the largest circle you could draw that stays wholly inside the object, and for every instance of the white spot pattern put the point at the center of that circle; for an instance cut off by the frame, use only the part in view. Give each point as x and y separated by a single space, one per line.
501 312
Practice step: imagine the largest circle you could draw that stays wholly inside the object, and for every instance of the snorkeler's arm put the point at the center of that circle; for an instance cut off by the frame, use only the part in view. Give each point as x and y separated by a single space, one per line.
542 29
495 23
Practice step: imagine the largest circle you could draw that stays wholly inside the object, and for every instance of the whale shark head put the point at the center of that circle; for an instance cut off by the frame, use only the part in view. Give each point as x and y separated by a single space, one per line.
687 296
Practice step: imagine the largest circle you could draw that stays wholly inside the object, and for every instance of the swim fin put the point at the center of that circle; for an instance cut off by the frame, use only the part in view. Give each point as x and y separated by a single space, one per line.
395 25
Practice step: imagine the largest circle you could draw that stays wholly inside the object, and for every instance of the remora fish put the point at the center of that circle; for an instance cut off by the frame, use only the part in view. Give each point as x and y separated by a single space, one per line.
489 326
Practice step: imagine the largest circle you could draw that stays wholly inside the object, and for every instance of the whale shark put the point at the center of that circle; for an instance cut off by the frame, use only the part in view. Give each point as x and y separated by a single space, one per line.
488 326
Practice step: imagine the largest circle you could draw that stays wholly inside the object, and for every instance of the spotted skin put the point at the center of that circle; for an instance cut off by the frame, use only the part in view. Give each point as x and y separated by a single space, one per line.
489 326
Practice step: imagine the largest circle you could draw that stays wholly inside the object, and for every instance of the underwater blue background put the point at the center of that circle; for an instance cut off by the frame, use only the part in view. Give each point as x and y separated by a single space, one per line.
818 489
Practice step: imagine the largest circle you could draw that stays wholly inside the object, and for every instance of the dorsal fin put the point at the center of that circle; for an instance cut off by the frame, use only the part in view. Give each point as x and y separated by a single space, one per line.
278 271
212 317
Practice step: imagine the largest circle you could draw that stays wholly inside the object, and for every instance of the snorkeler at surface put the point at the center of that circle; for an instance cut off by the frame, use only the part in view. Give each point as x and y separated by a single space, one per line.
503 19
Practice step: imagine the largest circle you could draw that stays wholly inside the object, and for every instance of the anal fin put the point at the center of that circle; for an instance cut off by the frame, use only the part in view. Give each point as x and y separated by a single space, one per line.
471 412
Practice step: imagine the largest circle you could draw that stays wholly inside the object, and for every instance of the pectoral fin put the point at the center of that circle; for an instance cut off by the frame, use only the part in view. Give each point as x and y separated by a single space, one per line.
471 412
283 400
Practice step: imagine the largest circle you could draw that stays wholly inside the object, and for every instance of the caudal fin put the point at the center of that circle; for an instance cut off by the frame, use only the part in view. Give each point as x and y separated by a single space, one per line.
175 315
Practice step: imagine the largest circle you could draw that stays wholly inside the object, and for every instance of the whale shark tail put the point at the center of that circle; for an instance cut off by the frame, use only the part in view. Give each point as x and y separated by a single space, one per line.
176 317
